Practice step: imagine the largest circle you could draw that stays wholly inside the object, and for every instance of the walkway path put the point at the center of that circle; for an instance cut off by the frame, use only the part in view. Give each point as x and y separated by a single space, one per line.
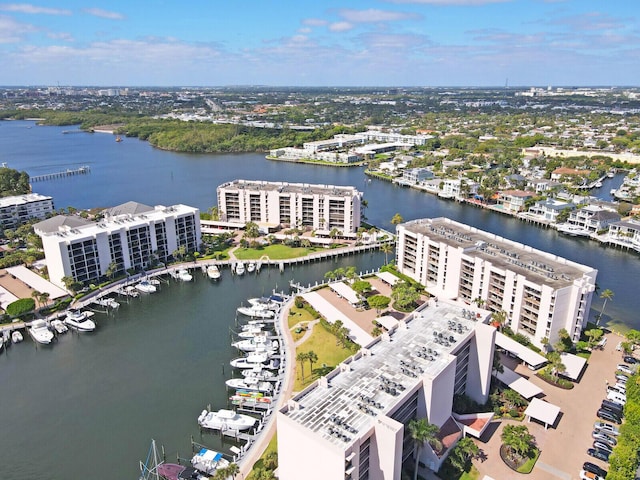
308 333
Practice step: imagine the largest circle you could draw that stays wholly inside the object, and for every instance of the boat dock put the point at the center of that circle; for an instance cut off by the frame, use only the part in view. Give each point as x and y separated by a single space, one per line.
65 173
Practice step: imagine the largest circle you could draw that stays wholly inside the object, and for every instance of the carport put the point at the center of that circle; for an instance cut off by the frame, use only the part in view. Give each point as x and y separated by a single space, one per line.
542 411
532 359
573 365
518 383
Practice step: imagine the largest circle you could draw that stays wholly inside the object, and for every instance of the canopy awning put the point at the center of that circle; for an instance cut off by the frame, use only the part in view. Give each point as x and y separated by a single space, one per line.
528 356
573 365
388 277
346 292
518 383
545 412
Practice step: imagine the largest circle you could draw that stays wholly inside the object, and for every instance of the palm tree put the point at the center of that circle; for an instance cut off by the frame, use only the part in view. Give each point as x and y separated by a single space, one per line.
397 219
386 248
606 295
463 452
36 296
301 357
313 358
517 439
421 431
233 469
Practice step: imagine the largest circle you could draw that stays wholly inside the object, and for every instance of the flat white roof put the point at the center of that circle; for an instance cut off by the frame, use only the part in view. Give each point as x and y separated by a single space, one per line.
36 282
6 297
387 321
525 354
518 383
543 411
387 277
331 313
23 199
573 364
346 292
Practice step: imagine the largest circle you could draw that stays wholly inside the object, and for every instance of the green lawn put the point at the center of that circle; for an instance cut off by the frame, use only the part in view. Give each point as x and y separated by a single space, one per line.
274 252
528 466
297 315
325 346
473 474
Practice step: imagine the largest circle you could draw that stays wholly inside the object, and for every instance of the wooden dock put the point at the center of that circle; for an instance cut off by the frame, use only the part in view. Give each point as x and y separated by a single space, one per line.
85 169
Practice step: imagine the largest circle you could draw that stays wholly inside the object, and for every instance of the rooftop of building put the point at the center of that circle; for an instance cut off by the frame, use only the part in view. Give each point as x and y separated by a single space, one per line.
127 214
22 199
375 380
285 187
535 265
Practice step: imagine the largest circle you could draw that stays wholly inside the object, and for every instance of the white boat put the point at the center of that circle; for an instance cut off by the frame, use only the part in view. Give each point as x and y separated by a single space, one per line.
613 191
264 302
253 325
254 312
154 281
16 336
208 461
240 268
254 332
250 384
40 332
573 230
106 302
145 287
251 267
598 184
213 272
611 174
131 291
225 420
251 360
259 373
80 321
259 343
184 275
59 326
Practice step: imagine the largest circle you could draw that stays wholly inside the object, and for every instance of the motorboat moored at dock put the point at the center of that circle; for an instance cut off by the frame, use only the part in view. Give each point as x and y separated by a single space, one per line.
184 275
254 312
208 461
240 268
213 272
249 384
146 287
225 420
80 321
40 332
16 336
59 326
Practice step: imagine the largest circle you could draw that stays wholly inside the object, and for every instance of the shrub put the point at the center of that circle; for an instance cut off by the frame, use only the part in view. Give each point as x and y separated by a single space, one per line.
20 307
299 302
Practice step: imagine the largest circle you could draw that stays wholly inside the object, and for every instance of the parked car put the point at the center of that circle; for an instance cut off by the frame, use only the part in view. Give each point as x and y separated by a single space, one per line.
593 468
617 397
599 454
615 388
625 368
630 360
622 387
603 437
586 475
602 446
622 378
615 407
606 428
609 416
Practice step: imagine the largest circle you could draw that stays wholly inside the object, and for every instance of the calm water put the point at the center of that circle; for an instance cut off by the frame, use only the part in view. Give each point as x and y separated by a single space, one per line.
90 404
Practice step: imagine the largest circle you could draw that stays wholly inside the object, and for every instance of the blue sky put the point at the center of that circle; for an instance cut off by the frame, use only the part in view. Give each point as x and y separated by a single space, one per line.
305 43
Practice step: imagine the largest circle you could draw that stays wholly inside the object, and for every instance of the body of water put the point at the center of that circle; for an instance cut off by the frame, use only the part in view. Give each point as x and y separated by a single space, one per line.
90 404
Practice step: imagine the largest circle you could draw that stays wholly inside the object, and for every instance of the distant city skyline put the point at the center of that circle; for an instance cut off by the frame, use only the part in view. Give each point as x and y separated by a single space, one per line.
329 43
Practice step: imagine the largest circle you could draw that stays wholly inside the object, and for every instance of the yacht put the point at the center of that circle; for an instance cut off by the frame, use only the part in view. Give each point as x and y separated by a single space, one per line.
611 174
598 184
253 332
259 343
225 420
213 272
256 312
80 321
250 384
59 326
184 275
146 287
264 302
16 336
240 268
208 461
251 267
40 332
251 360
260 373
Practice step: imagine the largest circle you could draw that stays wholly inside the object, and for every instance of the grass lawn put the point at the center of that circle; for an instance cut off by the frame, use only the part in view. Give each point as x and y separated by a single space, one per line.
272 447
297 315
325 346
528 466
473 474
274 252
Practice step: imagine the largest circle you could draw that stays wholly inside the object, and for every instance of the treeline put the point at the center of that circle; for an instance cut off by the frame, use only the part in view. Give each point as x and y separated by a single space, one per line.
190 137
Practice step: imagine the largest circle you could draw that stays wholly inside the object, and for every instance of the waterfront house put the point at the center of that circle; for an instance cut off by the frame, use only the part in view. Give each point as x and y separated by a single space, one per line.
549 209
625 234
592 219
513 201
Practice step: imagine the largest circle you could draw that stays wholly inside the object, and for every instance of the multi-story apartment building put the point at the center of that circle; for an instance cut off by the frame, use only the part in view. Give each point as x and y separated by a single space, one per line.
541 293
131 235
355 419
318 207
18 209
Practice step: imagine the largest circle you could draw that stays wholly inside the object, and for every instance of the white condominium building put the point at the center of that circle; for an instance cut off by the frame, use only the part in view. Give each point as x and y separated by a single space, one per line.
541 293
352 424
17 209
318 207
131 235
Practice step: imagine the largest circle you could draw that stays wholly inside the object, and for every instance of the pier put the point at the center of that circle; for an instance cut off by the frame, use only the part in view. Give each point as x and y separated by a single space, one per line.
83 170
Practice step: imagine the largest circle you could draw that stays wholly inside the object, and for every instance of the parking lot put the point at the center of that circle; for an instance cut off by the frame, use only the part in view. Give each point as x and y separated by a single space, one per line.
563 447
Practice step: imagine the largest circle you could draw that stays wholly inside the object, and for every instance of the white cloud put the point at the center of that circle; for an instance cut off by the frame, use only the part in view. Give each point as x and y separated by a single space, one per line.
373 15
340 26
304 30
32 9
98 12
64 36
451 2
12 31
314 22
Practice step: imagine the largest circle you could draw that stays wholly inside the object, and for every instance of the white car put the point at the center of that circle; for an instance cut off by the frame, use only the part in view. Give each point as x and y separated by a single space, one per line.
625 368
617 397
606 428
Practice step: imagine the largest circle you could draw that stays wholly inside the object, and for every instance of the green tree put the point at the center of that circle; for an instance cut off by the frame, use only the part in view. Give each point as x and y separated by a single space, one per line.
251 230
20 307
555 364
232 470
112 269
378 302
397 219
376 332
404 294
301 357
421 432
36 295
361 286
518 439
606 295
313 358
594 335
386 248
464 451
70 283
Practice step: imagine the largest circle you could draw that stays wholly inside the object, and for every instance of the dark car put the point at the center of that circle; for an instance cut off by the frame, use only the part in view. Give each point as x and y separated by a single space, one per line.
615 407
630 360
608 416
599 454
593 468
